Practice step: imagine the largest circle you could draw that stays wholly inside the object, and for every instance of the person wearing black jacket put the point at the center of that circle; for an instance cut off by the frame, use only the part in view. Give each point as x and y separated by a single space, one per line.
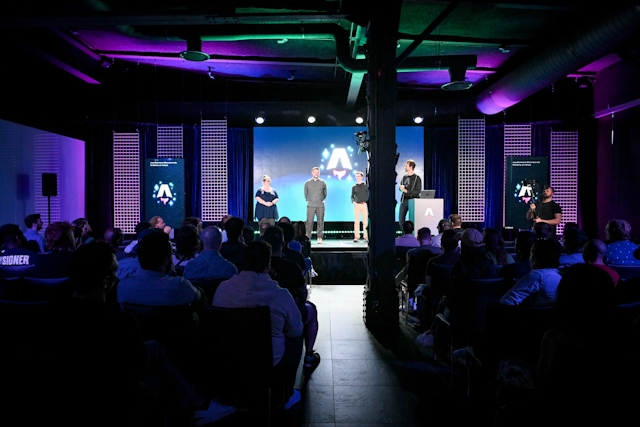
410 187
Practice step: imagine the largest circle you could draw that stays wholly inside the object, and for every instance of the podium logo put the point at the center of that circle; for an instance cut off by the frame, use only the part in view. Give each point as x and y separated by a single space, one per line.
339 162
429 212
163 193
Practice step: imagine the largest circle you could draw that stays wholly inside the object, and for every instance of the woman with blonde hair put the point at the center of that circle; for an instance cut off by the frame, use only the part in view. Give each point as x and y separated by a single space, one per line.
266 211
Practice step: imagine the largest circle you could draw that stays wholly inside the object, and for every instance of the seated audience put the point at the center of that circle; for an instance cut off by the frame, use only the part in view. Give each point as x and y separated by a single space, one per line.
187 246
210 264
573 241
287 251
233 249
152 285
456 223
114 237
524 240
542 230
443 225
193 220
417 258
495 247
61 243
140 227
300 236
253 287
474 263
223 223
34 225
538 287
620 248
407 240
98 354
158 222
82 225
248 234
13 252
593 253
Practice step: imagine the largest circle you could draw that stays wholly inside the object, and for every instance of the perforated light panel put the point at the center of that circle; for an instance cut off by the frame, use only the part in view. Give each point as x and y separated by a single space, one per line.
46 159
564 175
126 181
170 142
214 169
517 142
471 169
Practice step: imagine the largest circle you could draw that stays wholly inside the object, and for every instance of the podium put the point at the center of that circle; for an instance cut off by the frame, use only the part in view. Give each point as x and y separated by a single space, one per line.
426 213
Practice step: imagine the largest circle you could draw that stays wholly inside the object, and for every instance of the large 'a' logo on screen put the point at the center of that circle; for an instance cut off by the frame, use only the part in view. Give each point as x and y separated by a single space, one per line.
339 156
163 193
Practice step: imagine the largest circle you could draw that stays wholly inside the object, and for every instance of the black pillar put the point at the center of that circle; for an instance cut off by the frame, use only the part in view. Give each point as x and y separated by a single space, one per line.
382 298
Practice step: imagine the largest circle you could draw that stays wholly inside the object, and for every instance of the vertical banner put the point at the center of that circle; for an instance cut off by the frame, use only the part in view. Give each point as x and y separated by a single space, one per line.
523 185
164 191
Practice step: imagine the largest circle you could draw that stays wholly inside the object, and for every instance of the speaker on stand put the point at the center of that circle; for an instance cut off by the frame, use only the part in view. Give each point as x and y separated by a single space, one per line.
49 189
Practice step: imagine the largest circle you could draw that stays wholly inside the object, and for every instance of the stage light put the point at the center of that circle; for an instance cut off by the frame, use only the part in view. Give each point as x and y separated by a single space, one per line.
359 120
259 120
418 119
194 50
311 119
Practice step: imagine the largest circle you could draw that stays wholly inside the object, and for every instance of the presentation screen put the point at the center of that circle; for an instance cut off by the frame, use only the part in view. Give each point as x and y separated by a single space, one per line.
164 192
523 185
287 154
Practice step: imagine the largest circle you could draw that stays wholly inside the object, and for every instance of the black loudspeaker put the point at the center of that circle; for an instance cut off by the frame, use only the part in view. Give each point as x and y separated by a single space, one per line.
49 184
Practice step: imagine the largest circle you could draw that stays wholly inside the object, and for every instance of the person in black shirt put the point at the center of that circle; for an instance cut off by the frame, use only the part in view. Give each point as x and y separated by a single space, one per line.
548 212
410 186
359 198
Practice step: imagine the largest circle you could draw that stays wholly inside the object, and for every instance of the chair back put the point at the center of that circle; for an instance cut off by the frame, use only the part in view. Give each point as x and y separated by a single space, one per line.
9 271
628 291
47 289
627 271
235 345
209 286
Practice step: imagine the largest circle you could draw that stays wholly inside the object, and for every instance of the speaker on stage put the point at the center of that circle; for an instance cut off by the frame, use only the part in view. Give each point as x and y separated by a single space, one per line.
49 184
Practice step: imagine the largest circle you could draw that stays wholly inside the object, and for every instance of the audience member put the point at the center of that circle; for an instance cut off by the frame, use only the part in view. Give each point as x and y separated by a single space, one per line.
288 252
140 227
152 285
573 241
456 223
234 248
248 234
495 247
253 287
158 222
210 264
593 253
301 237
60 241
417 258
474 263
284 219
407 240
542 230
443 225
511 272
114 237
82 225
223 223
34 225
12 242
620 248
188 246
538 287
195 221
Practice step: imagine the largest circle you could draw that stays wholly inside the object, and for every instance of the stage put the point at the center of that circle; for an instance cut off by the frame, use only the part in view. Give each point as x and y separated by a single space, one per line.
339 262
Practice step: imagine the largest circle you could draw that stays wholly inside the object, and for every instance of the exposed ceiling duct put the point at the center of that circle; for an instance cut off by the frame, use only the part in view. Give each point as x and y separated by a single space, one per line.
555 62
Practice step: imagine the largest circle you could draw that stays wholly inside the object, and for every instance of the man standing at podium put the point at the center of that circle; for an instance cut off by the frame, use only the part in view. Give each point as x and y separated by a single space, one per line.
410 187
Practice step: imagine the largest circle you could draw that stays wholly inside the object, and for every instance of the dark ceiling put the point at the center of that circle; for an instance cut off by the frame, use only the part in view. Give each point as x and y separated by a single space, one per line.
124 52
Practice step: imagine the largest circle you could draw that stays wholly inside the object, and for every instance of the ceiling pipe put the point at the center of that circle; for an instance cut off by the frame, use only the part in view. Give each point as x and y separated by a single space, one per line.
555 62
333 32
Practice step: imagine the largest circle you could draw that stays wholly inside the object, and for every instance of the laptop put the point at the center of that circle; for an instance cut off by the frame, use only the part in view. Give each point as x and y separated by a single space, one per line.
427 194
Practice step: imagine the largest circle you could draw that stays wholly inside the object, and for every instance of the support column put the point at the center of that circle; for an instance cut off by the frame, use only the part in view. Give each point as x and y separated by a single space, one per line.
382 298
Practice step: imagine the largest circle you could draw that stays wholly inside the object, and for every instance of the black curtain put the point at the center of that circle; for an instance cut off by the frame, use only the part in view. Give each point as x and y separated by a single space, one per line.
240 172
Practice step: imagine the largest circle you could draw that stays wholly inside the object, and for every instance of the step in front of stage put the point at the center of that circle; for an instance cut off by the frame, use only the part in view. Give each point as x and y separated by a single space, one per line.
339 262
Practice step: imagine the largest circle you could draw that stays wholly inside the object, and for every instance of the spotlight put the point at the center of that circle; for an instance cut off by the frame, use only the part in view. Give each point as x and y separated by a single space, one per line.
194 50
418 119
359 120
311 119
259 120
